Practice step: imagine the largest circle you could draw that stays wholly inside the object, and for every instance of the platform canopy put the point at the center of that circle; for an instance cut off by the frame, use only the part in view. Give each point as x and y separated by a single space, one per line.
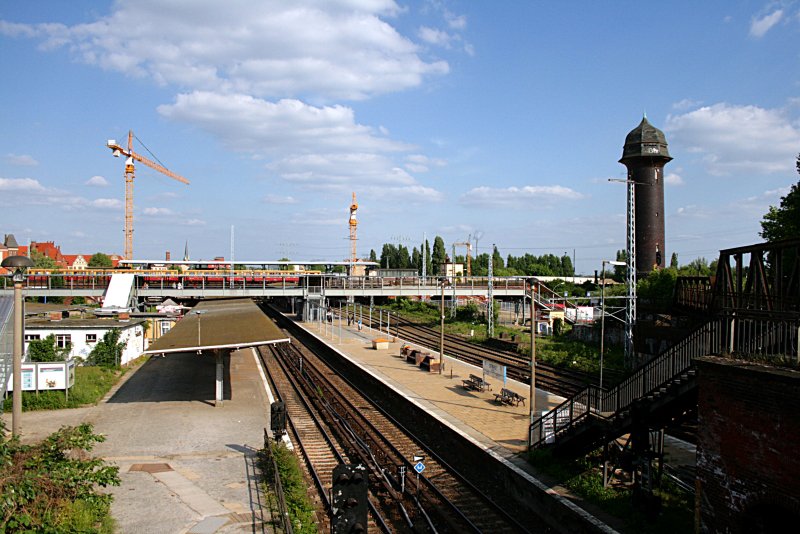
219 324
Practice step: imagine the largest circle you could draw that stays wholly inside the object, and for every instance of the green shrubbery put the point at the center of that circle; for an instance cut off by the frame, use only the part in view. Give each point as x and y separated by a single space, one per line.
53 487
301 511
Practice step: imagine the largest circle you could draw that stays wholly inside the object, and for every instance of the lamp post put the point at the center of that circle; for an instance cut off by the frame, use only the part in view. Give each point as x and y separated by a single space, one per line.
531 281
17 265
442 282
603 313
199 314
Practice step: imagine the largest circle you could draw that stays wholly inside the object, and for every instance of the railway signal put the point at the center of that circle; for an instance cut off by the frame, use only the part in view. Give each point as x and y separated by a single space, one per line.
277 418
349 499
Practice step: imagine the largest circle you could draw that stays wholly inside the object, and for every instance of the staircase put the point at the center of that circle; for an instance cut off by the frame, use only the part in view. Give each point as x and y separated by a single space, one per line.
660 390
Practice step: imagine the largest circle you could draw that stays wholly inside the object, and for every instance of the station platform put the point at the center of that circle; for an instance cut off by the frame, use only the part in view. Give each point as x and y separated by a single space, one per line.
501 430
185 465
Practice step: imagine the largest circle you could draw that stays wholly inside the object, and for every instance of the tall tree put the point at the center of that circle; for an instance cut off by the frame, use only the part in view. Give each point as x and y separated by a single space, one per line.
439 255
783 222
497 260
100 260
673 262
372 255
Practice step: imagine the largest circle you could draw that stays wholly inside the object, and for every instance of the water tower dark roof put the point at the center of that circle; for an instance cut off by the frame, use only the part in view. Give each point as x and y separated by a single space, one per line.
645 141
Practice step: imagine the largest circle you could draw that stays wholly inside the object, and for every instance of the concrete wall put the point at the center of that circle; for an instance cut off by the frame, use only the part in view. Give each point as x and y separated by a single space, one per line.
748 469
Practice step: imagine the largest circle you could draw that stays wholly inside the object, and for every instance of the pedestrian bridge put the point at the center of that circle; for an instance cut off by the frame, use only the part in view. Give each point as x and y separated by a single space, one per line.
214 284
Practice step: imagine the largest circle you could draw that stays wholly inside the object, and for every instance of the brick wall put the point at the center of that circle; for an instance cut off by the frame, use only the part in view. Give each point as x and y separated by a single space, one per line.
748 466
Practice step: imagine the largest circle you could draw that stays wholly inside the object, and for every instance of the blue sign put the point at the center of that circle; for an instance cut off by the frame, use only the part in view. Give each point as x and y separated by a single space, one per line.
419 467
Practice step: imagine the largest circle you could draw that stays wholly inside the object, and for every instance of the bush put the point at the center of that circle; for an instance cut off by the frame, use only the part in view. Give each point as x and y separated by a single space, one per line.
301 511
108 352
53 487
45 350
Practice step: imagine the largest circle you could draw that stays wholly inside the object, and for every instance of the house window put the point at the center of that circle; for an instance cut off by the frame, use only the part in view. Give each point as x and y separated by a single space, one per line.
32 337
91 338
63 341
165 327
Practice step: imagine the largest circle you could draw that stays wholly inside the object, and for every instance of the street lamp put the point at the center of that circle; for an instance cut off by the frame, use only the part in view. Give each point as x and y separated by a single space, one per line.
443 282
603 312
531 281
17 265
199 314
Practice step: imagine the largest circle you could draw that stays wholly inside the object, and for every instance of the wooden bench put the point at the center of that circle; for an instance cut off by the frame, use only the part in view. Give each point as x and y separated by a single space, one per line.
476 383
506 396
430 364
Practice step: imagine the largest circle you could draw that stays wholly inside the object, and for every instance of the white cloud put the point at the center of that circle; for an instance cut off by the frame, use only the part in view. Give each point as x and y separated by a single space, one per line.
434 36
685 104
157 211
529 196
737 139
760 26
673 179
422 163
277 199
97 181
107 203
20 184
21 160
318 147
337 49
191 222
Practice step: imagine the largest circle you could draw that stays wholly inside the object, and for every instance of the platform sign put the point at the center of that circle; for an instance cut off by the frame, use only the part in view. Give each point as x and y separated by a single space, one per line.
495 370
419 467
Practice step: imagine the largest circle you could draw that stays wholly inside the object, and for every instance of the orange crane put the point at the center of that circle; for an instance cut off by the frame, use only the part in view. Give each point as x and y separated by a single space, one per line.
118 150
353 226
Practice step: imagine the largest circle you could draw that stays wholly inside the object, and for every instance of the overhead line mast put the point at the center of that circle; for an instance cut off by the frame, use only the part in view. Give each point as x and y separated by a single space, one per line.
118 150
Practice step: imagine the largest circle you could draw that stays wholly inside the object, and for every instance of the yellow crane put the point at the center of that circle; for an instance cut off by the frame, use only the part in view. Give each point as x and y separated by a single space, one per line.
117 151
353 226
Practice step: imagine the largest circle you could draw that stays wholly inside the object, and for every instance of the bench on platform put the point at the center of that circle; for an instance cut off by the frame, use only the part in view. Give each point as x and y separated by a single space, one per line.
429 363
476 383
506 396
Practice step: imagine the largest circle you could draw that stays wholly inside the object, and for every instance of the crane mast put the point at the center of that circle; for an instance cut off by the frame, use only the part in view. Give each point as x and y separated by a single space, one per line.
353 226
117 151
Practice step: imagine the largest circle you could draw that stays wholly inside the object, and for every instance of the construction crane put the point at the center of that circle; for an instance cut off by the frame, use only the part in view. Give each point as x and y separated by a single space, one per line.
117 151
467 244
353 226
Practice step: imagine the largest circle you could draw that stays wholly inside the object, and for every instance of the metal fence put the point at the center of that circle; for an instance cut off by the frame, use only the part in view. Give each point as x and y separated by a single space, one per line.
283 510
6 342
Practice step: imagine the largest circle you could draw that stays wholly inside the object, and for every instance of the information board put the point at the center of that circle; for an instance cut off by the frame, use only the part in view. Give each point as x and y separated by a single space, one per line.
495 370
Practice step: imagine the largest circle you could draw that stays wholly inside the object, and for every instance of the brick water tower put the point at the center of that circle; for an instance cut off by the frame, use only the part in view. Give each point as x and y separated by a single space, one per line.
645 154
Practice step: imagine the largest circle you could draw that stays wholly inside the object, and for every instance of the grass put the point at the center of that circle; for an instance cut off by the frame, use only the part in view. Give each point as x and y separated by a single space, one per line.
91 385
298 504
584 478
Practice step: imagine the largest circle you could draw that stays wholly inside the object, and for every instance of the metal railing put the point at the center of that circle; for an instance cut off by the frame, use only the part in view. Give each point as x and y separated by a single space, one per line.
283 510
708 339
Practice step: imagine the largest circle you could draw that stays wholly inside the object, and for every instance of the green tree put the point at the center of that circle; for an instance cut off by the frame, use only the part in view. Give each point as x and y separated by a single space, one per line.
673 262
372 255
41 261
45 350
497 261
107 352
101 261
783 222
439 255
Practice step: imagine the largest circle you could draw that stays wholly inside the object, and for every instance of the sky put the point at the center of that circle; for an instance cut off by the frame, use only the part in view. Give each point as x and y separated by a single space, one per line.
503 121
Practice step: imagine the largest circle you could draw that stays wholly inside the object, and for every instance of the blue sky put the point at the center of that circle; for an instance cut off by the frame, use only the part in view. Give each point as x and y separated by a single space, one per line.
451 118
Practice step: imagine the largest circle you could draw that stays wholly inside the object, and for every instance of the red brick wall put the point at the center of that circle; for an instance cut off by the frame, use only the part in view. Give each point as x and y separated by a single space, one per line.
748 449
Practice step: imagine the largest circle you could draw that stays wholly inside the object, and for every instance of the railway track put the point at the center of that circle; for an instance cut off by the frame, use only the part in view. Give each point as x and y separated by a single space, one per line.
554 379
351 428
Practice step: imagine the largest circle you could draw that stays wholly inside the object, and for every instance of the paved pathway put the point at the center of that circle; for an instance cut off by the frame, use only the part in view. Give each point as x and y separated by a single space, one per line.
185 465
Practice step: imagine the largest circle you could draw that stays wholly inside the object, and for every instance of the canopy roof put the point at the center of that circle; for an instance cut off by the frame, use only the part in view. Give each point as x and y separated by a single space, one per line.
219 324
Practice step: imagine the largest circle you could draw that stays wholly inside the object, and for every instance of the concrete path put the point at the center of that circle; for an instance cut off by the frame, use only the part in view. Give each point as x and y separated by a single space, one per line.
186 466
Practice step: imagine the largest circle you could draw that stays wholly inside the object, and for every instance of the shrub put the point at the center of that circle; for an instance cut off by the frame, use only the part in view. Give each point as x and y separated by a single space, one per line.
52 486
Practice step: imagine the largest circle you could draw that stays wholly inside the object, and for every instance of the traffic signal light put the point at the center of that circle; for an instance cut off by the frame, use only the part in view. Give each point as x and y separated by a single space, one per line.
349 499
277 418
